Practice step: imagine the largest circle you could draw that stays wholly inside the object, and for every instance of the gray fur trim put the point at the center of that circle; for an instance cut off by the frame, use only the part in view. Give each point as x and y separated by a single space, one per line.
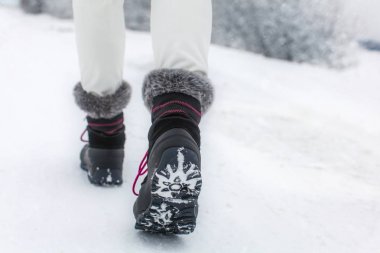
195 84
103 106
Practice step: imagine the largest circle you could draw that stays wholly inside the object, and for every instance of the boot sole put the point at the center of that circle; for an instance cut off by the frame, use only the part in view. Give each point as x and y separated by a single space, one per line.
175 190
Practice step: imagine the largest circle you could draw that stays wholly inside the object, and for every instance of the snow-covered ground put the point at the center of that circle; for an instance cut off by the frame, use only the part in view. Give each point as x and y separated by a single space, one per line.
291 158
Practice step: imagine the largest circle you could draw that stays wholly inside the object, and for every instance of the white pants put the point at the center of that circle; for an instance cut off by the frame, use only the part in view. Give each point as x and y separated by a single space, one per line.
181 34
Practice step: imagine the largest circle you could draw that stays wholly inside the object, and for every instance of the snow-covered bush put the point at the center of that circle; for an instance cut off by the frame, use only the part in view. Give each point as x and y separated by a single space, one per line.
371 45
137 14
313 31
234 25
58 8
31 6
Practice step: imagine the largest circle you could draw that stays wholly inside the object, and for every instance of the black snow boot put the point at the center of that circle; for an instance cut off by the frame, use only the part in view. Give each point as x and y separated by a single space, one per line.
168 198
103 156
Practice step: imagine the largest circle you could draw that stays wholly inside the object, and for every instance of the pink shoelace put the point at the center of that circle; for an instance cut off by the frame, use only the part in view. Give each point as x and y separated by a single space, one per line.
155 109
142 171
118 123
144 162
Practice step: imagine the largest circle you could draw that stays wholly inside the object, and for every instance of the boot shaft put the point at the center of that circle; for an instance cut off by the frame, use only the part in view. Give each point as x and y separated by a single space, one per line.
106 133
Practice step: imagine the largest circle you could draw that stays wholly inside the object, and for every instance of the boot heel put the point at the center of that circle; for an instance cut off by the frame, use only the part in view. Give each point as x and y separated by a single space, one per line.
104 166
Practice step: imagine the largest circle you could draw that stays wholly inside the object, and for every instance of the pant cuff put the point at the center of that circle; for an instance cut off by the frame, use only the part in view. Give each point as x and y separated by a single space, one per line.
103 106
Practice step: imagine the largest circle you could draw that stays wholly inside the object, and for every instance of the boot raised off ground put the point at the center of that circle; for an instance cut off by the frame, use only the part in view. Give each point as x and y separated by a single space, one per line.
168 198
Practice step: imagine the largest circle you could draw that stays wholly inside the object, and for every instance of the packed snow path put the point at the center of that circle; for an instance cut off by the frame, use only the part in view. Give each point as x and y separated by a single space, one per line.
291 157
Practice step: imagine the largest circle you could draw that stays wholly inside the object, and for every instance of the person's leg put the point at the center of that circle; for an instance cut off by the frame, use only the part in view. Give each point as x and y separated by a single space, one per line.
178 92
100 36
102 93
181 33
